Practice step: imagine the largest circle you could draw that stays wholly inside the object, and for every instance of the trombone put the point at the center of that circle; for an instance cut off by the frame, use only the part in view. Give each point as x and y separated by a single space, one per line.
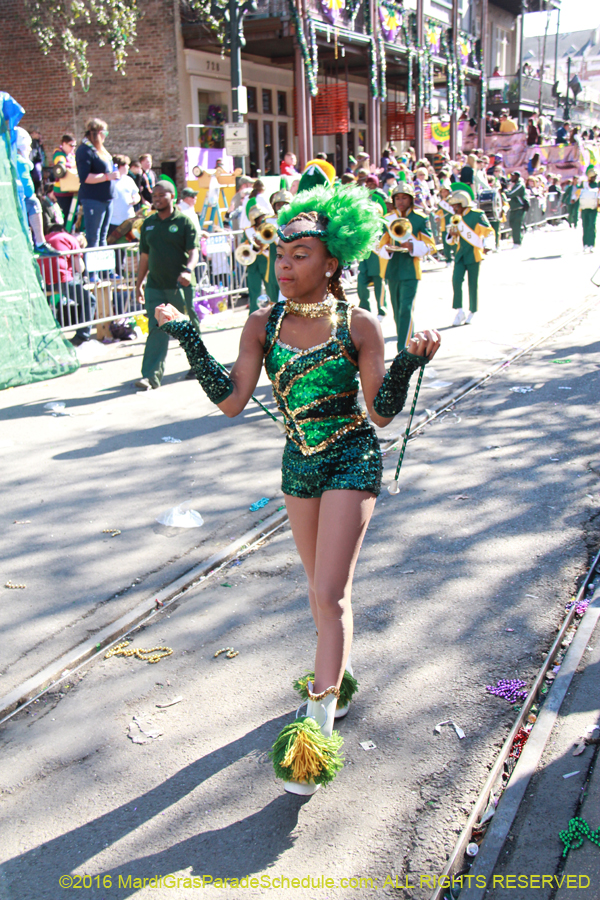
399 229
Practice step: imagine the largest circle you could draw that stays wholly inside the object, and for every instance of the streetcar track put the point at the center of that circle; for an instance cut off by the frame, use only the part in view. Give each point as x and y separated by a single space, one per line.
143 613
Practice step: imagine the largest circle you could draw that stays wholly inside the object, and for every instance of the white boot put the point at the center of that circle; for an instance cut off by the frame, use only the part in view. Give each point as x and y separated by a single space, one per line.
323 712
459 318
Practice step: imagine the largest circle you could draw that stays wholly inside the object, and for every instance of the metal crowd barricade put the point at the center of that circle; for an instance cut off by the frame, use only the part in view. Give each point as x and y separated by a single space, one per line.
95 286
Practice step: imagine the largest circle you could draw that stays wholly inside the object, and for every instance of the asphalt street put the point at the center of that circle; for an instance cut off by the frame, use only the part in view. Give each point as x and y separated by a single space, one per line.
462 581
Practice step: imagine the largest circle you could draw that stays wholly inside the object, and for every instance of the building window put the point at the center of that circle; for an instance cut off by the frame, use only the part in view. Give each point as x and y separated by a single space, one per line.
362 112
351 112
283 140
267 100
351 145
252 100
362 140
268 148
253 146
281 103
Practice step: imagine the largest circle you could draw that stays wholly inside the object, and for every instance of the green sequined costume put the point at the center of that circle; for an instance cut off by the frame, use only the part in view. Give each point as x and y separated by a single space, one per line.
330 444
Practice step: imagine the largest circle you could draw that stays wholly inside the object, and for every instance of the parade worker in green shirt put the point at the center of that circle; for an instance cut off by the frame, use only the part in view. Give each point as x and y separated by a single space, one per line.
403 269
519 204
571 201
469 233
169 249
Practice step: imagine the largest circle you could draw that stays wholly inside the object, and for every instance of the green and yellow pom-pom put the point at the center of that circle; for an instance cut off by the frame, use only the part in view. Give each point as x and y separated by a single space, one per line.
348 687
301 753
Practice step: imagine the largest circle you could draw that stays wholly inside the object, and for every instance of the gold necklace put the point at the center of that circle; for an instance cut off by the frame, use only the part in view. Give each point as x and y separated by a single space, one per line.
310 310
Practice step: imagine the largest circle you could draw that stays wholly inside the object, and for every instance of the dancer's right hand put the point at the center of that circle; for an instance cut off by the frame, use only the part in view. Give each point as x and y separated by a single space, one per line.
167 313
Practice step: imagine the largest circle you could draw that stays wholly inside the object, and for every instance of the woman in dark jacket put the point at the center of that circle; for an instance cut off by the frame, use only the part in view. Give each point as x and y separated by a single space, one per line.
96 176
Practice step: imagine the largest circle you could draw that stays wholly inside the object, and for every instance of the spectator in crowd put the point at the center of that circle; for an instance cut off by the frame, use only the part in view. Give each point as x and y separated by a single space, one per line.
51 211
65 273
65 155
169 252
533 164
362 162
575 136
31 204
126 194
37 157
467 173
492 124
96 182
187 205
507 124
361 175
533 133
351 165
440 159
135 173
288 166
562 133
348 178
148 177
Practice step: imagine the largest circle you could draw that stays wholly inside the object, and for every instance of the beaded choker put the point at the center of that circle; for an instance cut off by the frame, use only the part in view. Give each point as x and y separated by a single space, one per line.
310 310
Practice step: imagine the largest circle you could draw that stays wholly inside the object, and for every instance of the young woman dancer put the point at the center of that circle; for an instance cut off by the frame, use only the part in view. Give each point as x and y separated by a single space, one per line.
314 347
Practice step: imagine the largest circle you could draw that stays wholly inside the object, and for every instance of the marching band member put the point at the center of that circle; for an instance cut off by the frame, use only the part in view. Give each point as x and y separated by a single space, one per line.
517 197
258 271
369 270
403 270
468 233
443 213
278 201
571 201
589 199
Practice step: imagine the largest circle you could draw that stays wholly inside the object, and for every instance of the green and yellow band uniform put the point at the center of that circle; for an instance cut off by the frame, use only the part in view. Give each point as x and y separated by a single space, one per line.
571 201
369 270
443 214
258 271
403 271
473 229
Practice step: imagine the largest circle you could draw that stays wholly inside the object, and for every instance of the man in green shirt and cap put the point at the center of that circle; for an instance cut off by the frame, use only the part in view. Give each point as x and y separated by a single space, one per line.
516 195
169 245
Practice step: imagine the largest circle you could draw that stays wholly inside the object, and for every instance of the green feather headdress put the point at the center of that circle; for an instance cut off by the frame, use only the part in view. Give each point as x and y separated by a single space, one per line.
353 220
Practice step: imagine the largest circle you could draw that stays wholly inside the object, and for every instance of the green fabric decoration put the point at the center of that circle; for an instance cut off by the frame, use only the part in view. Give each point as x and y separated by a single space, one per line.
313 177
461 186
308 755
348 687
353 222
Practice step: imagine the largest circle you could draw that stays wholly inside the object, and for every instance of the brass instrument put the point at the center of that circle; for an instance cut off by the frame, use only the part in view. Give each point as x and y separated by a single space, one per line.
456 220
245 255
267 233
399 229
454 223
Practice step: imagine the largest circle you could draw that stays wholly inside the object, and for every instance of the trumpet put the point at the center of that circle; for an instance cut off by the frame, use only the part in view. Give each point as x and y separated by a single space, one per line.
454 223
267 233
245 255
399 229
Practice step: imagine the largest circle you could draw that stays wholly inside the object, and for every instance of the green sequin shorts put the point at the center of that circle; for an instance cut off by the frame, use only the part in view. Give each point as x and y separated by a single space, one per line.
352 463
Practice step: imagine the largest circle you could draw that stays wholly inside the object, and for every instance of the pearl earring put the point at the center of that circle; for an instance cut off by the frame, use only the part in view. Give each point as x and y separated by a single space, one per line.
328 274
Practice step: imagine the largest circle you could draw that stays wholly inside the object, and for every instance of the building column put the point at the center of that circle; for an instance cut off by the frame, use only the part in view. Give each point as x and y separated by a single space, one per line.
454 116
303 110
419 111
484 68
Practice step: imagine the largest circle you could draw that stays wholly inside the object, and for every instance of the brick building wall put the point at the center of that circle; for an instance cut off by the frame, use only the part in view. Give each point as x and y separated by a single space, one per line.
142 108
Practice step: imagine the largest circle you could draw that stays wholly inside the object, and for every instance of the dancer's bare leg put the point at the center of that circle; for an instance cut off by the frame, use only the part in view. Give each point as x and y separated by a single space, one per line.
303 514
329 561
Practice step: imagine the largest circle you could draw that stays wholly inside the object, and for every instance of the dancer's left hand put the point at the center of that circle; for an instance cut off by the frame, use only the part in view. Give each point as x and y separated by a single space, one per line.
425 343
166 313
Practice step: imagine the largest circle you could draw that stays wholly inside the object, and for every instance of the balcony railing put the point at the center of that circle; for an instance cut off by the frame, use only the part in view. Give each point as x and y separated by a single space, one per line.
505 91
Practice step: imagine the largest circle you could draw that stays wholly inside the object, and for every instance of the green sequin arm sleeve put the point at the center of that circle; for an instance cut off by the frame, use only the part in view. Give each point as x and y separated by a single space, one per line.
216 383
391 396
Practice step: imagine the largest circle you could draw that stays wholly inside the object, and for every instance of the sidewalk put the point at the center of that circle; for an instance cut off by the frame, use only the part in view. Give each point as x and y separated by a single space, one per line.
531 862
